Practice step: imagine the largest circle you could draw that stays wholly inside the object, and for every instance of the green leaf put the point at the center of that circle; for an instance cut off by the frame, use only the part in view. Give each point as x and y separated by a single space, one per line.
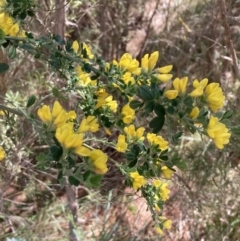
55 92
95 180
145 93
3 67
12 52
226 122
86 67
228 114
155 90
3 41
149 106
56 152
28 47
170 110
130 156
30 13
157 123
135 149
132 163
134 104
176 159
31 100
159 110
235 131
176 137
23 15
2 34
235 222
86 175
164 158
188 101
182 165
58 39
60 175
94 77
73 181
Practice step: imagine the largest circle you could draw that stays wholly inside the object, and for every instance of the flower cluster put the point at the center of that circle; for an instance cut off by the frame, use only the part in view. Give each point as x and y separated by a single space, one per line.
54 118
71 138
8 24
218 132
130 90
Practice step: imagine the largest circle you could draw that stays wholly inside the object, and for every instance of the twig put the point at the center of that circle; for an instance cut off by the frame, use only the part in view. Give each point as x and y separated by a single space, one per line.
228 38
73 207
148 29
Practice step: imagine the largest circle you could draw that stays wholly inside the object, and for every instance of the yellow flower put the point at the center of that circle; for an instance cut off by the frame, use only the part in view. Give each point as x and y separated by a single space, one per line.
89 124
171 94
45 114
164 77
128 114
159 230
203 83
8 25
57 116
180 85
2 153
14 30
99 160
112 104
3 3
197 92
165 69
106 100
199 87
75 46
121 145
126 62
167 224
88 51
148 63
71 115
154 139
84 78
138 180
218 132
127 78
134 134
70 140
166 172
194 113
162 188
214 96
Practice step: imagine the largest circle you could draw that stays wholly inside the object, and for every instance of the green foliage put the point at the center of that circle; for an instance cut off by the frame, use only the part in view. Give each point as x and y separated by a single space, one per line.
94 95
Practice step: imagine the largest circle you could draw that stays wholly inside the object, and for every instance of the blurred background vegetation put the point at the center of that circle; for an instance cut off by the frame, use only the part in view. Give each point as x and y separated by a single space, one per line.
201 39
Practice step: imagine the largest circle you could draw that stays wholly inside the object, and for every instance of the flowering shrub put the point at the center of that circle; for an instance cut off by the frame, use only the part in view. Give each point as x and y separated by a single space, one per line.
134 99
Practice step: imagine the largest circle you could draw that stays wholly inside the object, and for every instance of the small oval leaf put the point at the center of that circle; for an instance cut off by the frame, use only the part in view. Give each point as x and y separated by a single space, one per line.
3 67
31 100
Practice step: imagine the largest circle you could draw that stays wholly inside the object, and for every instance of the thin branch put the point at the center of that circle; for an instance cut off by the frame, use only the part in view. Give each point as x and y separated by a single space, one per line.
148 29
228 38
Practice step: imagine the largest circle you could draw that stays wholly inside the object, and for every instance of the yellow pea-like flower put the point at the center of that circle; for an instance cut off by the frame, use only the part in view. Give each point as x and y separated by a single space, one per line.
166 172
171 94
121 145
137 180
99 161
194 113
